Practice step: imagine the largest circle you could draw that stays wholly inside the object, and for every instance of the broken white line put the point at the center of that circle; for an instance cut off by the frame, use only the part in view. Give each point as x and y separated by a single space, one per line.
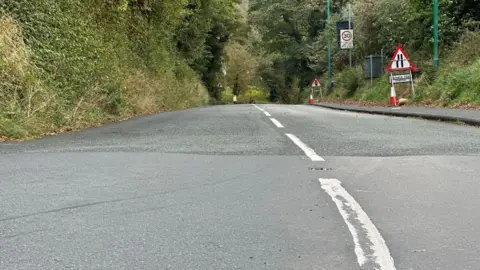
267 114
258 107
374 253
308 151
278 124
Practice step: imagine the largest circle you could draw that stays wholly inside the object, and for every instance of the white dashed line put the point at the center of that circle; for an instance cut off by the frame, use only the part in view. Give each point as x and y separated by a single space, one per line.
278 124
258 107
374 253
267 114
308 151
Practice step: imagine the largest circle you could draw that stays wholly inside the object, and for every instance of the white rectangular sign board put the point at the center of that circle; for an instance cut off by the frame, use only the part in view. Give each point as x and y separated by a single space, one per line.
403 78
346 39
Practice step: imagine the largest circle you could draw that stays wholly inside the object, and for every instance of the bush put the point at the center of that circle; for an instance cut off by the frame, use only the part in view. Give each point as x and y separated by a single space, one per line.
350 80
227 96
466 51
380 91
258 95
71 64
457 80
459 86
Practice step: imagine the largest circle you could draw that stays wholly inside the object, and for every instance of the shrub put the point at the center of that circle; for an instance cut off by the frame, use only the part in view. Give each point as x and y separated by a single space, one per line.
260 96
227 95
350 80
380 91
71 64
466 51
459 86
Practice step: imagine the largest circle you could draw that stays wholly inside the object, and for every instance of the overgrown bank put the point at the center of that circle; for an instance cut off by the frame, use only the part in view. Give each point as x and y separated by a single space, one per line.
455 84
70 64
293 36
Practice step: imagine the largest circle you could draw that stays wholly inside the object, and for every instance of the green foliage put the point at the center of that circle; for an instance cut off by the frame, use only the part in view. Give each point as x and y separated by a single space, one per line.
240 67
454 84
379 91
70 64
260 96
466 11
293 38
286 30
203 35
294 94
227 96
460 86
350 80
464 52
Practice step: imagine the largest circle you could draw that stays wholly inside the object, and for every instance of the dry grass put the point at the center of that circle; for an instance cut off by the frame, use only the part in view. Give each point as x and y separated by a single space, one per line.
13 52
21 94
143 92
19 86
148 93
59 72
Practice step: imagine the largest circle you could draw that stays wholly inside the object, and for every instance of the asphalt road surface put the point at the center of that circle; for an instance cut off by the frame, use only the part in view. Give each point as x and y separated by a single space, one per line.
245 187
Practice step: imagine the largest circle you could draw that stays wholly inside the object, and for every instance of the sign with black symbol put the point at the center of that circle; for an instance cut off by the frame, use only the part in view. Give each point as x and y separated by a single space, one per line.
315 83
346 39
400 61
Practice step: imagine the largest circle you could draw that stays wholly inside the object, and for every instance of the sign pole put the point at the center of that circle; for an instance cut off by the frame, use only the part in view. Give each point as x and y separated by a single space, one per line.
383 64
371 70
436 60
350 27
413 85
329 51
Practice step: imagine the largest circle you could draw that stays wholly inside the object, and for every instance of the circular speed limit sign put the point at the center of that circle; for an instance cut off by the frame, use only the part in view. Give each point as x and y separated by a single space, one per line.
347 36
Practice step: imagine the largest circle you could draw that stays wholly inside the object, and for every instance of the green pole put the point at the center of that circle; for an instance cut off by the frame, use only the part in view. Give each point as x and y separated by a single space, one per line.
329 50
436 60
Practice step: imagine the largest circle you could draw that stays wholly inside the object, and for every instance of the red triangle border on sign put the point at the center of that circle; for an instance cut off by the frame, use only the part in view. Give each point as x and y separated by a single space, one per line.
316 80
400 49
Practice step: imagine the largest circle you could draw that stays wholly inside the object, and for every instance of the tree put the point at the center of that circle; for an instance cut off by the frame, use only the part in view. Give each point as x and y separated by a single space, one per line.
286 29
240 66
203 35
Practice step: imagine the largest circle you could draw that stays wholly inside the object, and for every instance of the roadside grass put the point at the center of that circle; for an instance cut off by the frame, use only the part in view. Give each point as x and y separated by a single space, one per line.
66 65
259 95
455 84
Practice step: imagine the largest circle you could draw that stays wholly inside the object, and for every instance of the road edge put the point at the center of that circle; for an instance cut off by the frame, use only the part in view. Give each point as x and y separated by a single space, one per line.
443 118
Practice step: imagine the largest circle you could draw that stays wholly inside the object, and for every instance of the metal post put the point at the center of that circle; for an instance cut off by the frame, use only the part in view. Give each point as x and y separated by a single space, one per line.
350 27
329 50
371 70
436 60
383 67
412 85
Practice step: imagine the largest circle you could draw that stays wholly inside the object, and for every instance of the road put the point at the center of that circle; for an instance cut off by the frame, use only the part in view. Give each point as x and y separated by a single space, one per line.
244 187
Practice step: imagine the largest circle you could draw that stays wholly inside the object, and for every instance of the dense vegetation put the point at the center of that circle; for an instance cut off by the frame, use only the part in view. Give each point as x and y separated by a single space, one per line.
70 64
292 38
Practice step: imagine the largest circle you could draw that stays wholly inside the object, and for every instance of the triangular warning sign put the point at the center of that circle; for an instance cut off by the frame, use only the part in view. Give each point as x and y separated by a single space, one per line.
400 61
315 83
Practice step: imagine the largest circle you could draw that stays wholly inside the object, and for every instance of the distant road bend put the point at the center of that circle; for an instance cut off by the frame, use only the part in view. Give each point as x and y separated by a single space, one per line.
245 187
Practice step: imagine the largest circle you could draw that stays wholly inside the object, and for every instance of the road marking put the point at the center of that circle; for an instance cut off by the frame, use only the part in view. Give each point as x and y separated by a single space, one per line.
308 151
267 114
278 124
374 253
258 107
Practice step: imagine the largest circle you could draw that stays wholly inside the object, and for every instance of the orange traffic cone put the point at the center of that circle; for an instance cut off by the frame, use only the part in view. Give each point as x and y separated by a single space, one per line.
311 99
393 96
